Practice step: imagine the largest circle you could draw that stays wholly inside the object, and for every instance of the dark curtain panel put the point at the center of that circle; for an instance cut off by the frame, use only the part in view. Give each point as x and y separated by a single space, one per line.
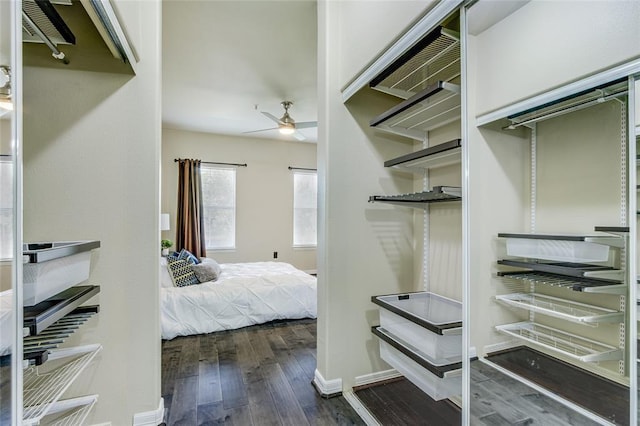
190 223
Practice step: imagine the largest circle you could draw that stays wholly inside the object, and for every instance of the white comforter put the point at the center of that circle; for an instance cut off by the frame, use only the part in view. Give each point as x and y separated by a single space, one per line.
244 294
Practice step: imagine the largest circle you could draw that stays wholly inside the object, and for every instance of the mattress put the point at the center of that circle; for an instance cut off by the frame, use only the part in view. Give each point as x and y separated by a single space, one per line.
245 294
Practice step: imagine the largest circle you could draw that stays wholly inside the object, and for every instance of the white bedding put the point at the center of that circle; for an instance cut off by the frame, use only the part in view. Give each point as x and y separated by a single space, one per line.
6 334
244 294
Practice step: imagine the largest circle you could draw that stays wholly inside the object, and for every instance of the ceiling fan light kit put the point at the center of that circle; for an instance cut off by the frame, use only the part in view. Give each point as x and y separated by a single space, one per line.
286 124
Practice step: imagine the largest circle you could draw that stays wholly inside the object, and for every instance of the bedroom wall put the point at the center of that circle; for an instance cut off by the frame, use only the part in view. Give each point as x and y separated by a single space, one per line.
264 192
91 171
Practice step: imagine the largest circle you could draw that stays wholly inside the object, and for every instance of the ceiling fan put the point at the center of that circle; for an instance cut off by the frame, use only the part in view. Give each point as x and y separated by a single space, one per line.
286 124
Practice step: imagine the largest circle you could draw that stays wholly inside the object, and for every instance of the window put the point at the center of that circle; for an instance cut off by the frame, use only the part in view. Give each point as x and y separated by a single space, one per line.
219 202
305 209
6 210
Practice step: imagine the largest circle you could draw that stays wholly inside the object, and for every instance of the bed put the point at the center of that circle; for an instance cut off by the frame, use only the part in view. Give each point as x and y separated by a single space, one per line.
244 294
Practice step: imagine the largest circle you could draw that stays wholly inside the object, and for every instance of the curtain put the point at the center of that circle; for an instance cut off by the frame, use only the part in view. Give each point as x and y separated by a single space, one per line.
190 223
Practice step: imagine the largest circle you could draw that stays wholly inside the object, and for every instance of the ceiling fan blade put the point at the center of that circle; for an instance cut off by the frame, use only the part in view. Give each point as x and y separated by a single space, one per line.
306 124
261 130
272 117
299 136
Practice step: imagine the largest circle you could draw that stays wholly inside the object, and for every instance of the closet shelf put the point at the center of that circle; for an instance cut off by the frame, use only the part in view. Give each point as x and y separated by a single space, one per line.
38 317
612 240
578 270
69 412
571 345
420 199
561 308
439 155
436 57
443 368
585 285
558 107
43 387
433 107
36 348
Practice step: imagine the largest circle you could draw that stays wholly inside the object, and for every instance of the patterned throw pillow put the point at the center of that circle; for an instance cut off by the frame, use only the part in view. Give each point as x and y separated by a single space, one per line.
181 272
188 256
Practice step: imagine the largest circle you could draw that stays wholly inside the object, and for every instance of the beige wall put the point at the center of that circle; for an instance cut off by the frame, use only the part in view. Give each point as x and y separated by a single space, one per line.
370 28
364 249
264 191
520 57
91 171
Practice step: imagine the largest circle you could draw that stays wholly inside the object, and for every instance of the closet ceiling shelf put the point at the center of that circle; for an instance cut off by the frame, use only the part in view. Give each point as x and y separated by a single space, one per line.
436 57
439 155
561 308
420 199
571 345
586 285
435 106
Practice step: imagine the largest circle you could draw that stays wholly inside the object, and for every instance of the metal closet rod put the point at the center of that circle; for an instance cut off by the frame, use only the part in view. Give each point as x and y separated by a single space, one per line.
215 162
568 109
302 168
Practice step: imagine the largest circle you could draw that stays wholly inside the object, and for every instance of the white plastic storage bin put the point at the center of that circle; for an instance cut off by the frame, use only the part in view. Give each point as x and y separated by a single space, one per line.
559 250
53 267
436 387
434 345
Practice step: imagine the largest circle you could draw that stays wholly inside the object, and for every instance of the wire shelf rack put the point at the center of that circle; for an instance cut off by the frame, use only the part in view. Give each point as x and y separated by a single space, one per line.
561 308
42 387
69 412
570 283
420 199
571 345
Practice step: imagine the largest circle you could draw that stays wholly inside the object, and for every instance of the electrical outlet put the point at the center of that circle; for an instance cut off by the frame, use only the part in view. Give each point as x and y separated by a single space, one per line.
275 254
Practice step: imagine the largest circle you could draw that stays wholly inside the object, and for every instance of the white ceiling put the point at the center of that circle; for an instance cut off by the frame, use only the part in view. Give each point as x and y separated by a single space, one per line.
222 58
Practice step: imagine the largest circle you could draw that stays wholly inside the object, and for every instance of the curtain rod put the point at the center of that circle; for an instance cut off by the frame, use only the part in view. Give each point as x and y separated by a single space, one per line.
302 168
214 162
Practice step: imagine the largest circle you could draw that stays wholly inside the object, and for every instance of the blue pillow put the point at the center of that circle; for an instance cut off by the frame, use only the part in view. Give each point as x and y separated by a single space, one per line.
186 255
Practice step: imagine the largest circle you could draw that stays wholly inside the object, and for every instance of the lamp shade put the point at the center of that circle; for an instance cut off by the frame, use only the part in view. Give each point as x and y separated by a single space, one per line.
164 222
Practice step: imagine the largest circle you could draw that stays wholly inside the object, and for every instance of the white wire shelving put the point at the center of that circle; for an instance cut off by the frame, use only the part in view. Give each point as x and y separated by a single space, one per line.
571 345
561 308
43 386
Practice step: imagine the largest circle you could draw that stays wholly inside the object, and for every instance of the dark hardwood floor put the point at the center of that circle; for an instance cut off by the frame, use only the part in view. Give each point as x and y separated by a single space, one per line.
400 402
259 375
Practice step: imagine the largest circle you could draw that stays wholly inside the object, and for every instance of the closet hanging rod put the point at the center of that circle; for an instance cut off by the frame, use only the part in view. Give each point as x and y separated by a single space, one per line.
215 162
572 108
302 168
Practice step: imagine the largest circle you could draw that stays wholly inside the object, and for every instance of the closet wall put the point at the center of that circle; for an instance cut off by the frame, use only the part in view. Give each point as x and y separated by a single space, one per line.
539 47
562 175
91 171
364 249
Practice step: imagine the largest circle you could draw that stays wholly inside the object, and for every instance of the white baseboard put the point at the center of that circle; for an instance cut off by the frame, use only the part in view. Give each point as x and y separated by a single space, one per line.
500 346
327 388
378 376
150 418
360 409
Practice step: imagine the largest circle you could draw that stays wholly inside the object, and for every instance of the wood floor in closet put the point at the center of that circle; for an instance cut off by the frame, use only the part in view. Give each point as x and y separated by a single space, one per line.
259 375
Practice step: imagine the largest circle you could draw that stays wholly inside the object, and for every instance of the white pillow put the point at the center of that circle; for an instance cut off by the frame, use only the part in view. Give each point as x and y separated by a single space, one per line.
165 277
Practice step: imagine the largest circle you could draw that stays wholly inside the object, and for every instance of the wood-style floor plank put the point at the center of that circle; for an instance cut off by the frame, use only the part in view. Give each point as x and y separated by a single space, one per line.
255 376
184 402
